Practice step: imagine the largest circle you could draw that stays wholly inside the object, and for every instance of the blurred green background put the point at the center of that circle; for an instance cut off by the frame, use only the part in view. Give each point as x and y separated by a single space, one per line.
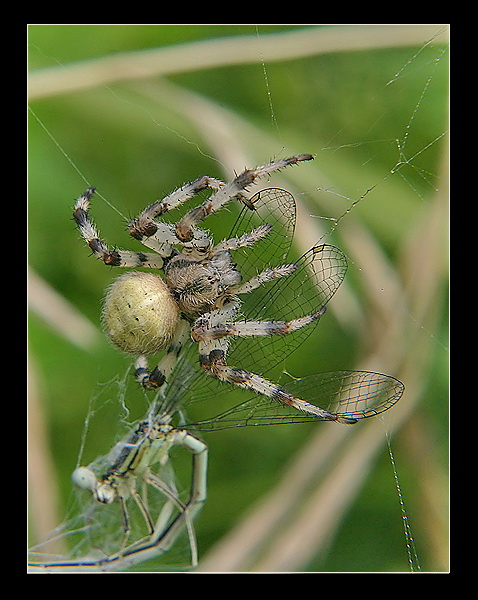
371 103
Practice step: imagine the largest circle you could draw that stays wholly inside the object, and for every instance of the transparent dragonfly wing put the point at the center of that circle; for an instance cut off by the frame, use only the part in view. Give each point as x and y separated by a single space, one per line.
272 206
319 274
350 395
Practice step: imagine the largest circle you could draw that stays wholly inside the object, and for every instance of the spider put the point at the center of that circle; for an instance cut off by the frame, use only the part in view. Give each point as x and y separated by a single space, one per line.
200 293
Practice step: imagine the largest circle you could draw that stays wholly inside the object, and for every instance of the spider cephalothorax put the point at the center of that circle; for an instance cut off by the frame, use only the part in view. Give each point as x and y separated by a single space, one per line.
199 285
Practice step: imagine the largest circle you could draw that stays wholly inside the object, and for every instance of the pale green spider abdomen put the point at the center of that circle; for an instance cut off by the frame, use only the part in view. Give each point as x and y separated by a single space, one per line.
140 315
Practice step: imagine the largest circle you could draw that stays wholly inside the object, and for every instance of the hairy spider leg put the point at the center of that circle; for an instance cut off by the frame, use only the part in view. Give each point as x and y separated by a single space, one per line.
159 375
114 258
153 234
184 228
213 350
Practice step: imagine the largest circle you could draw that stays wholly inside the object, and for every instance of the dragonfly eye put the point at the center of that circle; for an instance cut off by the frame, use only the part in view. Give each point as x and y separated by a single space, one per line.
84 478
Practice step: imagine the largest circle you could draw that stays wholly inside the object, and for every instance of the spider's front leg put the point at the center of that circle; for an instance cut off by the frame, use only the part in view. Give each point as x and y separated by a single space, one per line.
233 189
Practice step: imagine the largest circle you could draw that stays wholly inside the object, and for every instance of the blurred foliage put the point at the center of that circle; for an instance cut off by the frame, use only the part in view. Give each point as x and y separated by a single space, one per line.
135 148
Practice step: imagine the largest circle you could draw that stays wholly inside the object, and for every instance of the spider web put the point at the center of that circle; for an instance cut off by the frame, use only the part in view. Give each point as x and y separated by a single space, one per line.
390 160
